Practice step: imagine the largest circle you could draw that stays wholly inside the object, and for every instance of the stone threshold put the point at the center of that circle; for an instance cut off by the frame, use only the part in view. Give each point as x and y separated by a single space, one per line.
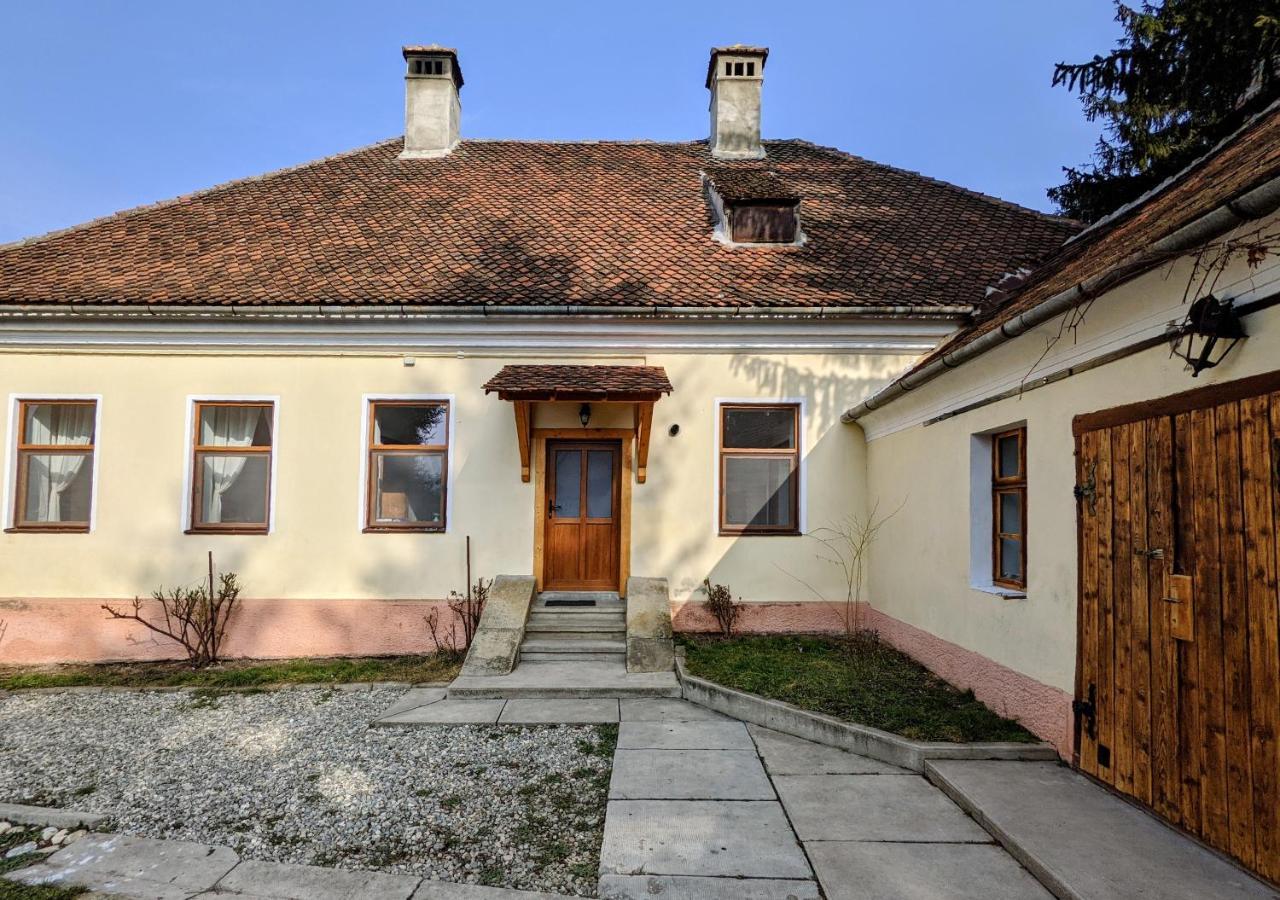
860 739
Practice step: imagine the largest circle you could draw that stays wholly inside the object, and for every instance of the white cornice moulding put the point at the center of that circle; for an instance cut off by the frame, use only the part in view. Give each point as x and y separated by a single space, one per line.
495 334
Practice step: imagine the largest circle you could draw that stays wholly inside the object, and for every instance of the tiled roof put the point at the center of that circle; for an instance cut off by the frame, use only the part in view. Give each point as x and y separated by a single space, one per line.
748 182
576 380
1248 160
529 223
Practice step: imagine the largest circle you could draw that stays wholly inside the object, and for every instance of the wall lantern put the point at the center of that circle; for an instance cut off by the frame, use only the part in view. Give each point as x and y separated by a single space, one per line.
584 414
1204 338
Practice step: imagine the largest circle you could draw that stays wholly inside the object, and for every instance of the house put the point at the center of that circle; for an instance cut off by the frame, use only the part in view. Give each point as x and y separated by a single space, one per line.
356 380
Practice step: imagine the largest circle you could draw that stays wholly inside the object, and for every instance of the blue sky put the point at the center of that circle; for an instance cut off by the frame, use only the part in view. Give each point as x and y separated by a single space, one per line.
107 105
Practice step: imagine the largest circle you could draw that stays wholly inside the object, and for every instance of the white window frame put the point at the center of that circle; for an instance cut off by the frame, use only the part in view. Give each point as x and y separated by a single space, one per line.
803 469
451 425
10 499
188 450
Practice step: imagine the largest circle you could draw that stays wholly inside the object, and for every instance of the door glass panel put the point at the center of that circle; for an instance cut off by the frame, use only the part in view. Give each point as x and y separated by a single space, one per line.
758 491
1011 513
1010 559
568 484
1010 458
599 484
759 428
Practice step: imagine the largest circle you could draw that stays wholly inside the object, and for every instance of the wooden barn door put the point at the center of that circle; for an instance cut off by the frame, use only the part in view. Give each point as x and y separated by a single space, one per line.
1178 687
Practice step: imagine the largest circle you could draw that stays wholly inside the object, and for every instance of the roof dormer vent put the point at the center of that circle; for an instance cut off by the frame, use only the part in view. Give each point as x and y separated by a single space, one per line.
753 205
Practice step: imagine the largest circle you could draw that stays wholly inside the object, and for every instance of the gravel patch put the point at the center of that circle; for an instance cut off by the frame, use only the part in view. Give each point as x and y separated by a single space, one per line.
299 776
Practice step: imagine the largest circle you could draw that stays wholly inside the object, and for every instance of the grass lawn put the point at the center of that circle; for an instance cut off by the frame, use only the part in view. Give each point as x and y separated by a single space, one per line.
859 679
240 673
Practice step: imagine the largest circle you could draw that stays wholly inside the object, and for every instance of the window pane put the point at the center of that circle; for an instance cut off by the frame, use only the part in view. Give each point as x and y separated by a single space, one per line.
599 484
1011 512
759 429
568 489
409 488
233 488
58 424
409 425
235 426
58 487
758 491
1009 457
1010 559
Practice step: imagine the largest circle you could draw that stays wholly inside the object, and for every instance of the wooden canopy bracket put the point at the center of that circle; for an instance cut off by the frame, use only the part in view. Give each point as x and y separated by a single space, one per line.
644 422
523 429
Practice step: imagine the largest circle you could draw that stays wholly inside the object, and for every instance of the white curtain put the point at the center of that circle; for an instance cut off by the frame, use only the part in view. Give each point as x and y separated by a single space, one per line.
49 475
224 426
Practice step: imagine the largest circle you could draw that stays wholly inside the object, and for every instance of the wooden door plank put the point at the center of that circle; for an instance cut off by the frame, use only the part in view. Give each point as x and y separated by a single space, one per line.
1088 627
1140 618
1260 456
1122 580
1235 632
1165 790
1214 824
1106 611
1190 734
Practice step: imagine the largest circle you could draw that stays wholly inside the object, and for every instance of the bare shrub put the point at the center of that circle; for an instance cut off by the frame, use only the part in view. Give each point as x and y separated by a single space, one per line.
467 610
4 628
846 544
195 617
720 604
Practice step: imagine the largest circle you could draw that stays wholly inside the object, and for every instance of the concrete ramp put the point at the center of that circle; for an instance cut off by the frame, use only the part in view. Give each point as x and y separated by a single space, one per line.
496 645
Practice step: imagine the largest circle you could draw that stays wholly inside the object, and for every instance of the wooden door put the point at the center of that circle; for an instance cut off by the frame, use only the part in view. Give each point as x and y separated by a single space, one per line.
583 524
1178 684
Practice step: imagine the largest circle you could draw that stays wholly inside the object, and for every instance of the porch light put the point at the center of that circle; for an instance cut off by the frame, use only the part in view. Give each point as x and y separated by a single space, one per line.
584 414
1204 338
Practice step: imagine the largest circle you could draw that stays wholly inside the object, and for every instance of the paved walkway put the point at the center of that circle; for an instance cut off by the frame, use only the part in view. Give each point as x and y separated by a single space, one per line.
703 806
121 866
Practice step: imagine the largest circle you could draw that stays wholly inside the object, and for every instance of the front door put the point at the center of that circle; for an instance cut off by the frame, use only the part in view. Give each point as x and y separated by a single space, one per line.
1178 689
583 522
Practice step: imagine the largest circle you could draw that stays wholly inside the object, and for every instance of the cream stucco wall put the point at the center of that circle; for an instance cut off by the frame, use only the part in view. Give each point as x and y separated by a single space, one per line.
920 570
317 550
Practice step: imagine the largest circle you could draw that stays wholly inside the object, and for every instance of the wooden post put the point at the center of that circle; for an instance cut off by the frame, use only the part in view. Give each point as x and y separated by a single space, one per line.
644 422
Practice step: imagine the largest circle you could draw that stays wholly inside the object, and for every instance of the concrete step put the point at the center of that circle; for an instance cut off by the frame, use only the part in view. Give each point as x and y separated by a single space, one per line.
606 620
544 656
599 597
584 645
559 679
571 632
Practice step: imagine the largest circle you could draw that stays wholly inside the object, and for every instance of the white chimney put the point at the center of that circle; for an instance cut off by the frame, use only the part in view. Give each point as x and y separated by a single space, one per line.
431 107
735 76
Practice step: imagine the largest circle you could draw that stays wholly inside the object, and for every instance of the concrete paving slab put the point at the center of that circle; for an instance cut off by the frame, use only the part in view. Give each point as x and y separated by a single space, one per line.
568 680
689 775
787 755
873 808
888 871
283 881
450 711
715 838
413 699
666 709
591 710
135 867
444 890
1083 842
685 887
728 735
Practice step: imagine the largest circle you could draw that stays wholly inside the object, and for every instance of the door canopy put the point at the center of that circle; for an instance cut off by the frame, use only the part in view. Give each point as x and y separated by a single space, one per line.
526 385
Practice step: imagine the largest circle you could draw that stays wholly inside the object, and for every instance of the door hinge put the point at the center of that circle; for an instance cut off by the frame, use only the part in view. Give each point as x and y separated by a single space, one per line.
1087 710
1153 553
1088 490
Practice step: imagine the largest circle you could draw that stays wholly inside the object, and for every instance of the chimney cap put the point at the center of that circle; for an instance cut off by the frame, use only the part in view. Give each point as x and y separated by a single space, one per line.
409 50
736 50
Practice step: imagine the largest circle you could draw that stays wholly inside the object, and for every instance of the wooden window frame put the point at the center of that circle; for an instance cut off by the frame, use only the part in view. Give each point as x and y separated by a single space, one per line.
725 453
373 451
22 449
1001 485
197 527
